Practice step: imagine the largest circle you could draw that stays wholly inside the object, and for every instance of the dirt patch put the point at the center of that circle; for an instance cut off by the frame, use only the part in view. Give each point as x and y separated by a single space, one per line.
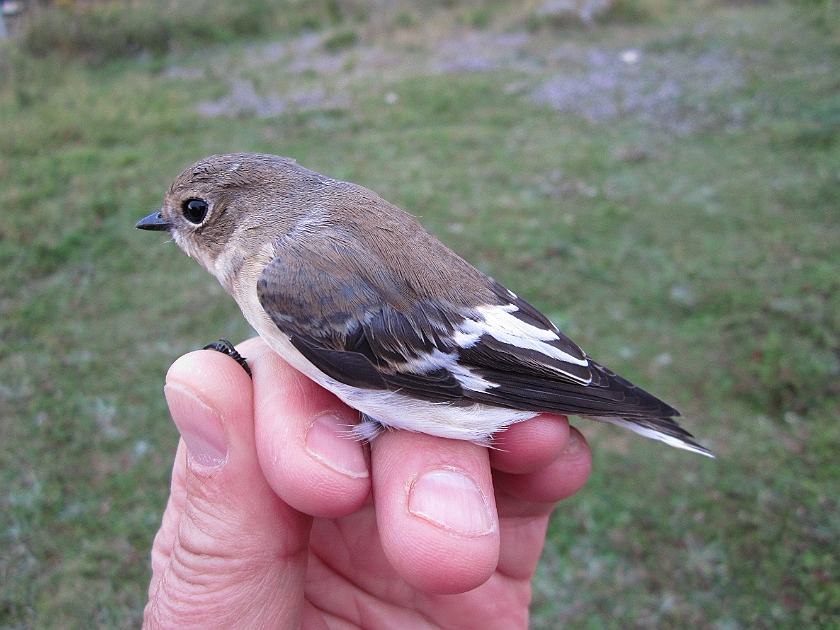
678 91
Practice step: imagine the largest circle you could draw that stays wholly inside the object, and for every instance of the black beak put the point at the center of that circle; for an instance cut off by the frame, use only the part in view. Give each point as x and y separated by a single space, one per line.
154 222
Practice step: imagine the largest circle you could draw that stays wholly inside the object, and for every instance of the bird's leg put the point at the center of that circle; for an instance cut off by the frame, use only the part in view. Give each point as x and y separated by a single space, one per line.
226 347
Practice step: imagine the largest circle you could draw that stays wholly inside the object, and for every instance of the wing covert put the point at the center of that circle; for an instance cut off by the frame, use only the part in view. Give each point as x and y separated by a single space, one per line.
343 323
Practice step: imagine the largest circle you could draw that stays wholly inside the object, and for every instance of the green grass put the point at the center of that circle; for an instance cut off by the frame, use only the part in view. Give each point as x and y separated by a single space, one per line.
99 32
702 264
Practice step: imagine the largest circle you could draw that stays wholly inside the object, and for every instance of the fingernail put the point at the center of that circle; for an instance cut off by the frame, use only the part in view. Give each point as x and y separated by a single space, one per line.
199 425
327 440
450 499
575 443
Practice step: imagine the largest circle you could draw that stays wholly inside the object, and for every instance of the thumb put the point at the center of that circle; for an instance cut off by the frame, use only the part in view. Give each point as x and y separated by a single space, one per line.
227 542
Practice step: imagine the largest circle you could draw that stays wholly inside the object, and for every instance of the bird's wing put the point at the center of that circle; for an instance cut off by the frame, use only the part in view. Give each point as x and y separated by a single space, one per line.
341 316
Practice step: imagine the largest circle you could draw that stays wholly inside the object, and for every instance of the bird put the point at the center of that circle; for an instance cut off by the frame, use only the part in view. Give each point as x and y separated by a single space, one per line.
355 294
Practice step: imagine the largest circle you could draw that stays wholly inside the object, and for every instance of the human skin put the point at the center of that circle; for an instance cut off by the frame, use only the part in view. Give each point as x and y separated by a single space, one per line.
276 519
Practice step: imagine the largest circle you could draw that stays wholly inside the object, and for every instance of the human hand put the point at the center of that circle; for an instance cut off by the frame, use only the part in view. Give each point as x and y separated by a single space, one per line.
277 520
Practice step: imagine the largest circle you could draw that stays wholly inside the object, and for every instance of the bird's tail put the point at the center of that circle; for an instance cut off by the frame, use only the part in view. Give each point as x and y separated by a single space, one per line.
662 429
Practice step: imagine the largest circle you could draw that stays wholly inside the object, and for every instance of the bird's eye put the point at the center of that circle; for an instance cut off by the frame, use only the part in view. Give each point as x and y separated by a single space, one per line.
195 210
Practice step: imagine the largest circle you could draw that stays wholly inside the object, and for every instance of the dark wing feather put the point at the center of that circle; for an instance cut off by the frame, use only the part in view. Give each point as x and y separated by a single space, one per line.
340 322
606 395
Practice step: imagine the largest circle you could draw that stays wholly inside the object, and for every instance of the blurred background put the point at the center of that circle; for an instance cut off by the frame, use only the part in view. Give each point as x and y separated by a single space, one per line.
662 178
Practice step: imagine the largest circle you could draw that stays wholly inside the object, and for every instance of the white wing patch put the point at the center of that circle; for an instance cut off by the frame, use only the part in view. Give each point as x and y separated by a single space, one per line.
499 323
435 360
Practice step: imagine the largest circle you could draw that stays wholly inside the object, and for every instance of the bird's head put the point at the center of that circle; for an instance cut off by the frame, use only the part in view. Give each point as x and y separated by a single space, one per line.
225 209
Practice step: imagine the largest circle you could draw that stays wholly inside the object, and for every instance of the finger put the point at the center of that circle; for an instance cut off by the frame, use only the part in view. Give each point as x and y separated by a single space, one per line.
303 441
558 480
531 445
235 539
526 501
435 510
165 537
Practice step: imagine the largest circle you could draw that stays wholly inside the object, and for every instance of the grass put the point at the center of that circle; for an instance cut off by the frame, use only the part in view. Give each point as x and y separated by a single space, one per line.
100 32
690 244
